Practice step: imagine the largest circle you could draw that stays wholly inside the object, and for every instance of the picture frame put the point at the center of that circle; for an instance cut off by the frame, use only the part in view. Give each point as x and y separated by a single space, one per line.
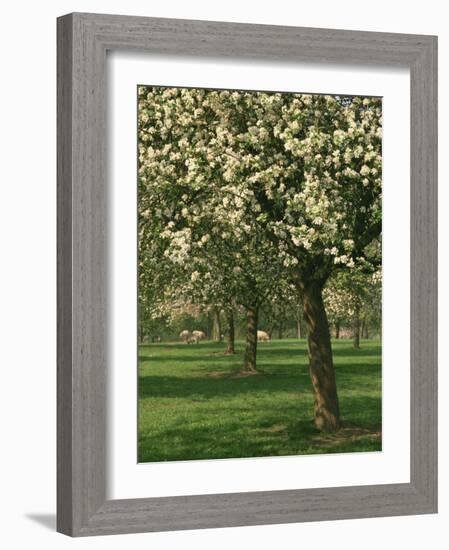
82 506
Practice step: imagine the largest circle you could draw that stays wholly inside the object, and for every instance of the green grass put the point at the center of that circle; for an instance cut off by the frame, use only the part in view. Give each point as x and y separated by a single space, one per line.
194 405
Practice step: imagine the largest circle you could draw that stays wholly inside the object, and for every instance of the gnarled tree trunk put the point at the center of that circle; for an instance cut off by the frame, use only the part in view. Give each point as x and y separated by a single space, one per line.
231 331
249 359
327 412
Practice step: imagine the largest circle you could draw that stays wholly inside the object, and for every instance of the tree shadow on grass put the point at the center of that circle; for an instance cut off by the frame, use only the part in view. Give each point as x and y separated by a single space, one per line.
222 382
349 352
202 355
200 358
360 378
363 411
254 426
219 386
235 436
290 432
274 358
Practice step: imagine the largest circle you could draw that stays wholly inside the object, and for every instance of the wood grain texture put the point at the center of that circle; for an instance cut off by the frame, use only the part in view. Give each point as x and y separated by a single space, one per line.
423 273
64 277
83 40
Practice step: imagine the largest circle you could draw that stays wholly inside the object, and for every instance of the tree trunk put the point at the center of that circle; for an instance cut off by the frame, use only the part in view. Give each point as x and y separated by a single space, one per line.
141 333
327 412
210 325
249 360
337 329
231 331
281 318
357 329
298 328
216 330
365 331
362 327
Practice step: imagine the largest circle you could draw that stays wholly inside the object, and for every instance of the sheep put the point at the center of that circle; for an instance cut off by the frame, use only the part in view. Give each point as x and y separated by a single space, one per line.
198 335
263 336
185 336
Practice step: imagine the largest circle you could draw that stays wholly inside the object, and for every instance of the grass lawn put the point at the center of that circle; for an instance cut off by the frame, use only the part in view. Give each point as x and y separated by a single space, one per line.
193 404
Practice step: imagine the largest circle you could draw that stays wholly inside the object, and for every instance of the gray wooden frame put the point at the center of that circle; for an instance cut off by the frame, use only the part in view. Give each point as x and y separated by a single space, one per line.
83 40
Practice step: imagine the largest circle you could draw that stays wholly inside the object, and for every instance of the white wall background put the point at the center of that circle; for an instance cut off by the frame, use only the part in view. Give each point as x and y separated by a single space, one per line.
27 271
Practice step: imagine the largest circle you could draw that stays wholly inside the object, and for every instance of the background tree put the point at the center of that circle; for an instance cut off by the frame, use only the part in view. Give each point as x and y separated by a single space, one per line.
353 299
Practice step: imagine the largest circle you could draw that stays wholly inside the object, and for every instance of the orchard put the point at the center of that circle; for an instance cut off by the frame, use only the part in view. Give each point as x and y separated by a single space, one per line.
257 206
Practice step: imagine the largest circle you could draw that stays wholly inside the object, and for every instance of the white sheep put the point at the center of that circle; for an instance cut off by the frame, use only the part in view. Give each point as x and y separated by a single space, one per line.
185 336
198 335
263 336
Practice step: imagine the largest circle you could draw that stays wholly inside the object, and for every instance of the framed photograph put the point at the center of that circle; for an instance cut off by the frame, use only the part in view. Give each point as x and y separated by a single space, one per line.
247 274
